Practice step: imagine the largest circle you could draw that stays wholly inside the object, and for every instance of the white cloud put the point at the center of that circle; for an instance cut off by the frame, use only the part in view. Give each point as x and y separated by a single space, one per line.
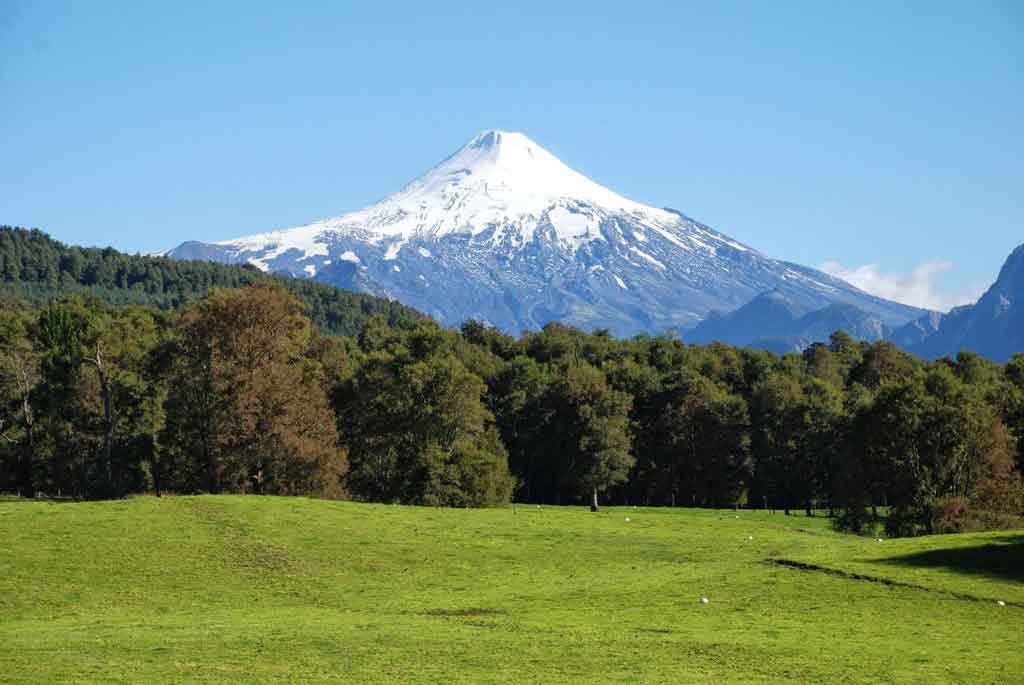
918 288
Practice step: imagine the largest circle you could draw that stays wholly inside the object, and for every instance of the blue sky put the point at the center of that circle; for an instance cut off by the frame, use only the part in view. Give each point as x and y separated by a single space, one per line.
884 140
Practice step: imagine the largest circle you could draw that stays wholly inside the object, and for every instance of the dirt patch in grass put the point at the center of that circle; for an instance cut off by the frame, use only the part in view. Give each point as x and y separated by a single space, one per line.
465 613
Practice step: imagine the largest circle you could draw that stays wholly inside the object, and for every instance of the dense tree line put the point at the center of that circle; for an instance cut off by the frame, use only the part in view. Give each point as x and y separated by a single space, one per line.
239 392
35 267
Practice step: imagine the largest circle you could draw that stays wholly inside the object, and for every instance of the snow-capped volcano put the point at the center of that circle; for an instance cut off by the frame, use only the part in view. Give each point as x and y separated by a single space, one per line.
497 179
499 182
505 232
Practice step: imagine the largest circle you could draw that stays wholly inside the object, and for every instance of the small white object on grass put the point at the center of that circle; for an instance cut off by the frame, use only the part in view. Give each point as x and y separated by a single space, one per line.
627 519
881 540
703 600
1000 602
750 537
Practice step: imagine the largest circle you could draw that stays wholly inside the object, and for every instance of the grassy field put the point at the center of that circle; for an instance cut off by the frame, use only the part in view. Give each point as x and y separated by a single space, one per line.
271 589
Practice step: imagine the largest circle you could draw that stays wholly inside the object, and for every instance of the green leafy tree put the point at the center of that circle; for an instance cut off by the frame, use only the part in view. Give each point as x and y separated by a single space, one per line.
19 376
705 443
57 401
588 446
417 427
776 417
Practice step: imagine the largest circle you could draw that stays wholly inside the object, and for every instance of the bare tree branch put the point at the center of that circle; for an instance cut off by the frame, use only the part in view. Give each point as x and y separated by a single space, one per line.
3 432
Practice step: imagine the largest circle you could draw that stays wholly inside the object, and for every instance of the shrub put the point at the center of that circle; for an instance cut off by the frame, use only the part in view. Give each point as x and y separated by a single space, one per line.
958 515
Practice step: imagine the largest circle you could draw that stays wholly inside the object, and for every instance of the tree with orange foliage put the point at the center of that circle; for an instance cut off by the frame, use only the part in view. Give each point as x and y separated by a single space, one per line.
247 410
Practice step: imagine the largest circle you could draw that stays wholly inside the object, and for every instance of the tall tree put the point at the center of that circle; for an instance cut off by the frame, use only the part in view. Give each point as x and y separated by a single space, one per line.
589 445
19 375
417 428
248 402
776 417
704 442
57 402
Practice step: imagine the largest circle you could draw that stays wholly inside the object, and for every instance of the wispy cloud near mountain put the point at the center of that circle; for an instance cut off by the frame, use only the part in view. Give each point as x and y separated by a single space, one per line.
920 287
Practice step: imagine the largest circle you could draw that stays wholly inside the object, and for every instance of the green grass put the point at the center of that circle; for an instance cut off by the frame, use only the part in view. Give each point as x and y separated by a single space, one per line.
273 589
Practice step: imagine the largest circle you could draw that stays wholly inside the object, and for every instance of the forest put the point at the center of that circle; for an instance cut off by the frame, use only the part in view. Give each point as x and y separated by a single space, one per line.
36 268
123 374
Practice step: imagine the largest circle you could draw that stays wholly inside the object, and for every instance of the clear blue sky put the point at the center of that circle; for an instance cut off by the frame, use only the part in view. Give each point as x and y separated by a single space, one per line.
883 137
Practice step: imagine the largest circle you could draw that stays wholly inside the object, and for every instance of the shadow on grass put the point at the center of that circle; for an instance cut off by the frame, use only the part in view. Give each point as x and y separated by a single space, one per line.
1003 560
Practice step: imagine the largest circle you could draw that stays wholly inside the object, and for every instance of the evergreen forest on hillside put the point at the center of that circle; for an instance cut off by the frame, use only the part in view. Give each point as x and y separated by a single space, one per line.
123 374
37 268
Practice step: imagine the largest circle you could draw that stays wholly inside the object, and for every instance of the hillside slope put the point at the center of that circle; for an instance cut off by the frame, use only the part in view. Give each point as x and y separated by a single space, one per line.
260 589
36 267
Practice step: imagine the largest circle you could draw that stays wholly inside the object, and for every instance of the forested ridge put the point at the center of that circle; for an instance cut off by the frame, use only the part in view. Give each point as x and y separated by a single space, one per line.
239 391
35 267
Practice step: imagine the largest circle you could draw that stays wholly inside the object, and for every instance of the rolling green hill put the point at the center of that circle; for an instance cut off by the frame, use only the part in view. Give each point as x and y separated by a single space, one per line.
287 589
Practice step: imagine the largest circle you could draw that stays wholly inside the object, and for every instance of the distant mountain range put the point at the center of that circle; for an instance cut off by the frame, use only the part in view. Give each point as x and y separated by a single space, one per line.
505 233
776 322
993 327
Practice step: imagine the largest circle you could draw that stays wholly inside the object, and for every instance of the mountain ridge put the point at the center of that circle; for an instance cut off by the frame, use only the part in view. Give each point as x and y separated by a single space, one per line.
773 321
993 326
39 268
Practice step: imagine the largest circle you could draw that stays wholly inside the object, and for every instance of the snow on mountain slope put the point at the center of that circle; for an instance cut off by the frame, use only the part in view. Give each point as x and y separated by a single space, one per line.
504 232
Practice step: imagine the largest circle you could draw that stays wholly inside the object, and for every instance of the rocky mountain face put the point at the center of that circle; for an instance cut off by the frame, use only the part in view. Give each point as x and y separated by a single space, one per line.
505 233
776 322
993 326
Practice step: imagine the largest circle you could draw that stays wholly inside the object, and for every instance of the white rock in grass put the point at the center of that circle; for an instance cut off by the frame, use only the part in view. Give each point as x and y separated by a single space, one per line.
1000 602
703 600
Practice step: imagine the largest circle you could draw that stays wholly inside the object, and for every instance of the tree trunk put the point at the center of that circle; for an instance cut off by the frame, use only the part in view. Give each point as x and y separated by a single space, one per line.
156 476
27 458
83 476
593 501
108 432
26 484
106 454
